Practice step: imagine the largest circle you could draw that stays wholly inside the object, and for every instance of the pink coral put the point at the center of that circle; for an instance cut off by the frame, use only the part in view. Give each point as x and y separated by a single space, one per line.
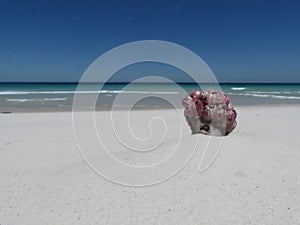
207 111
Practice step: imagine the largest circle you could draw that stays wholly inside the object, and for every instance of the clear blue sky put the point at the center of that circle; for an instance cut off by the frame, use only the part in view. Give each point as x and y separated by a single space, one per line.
240 40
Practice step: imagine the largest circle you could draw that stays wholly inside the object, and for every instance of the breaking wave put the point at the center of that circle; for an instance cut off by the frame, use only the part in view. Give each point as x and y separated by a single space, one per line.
238 88
84 92
34 99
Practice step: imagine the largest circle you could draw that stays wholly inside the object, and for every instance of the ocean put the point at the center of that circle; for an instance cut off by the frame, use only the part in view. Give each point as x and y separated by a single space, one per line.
28 97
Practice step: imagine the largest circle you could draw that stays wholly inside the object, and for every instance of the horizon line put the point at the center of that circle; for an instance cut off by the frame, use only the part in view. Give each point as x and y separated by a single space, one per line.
125 82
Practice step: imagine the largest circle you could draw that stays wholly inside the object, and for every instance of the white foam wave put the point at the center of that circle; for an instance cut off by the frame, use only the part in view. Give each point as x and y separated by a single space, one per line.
18 100
34 99
258 95
267 96
238 88
265 92
84 92
285 97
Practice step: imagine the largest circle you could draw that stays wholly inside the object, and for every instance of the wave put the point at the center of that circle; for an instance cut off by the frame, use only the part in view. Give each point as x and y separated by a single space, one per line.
258 95
238 88
273 92
34 99
85 92
264 92
285 97
266 96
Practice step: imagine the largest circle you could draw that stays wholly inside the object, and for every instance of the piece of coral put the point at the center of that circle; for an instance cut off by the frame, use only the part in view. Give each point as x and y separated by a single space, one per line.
209 112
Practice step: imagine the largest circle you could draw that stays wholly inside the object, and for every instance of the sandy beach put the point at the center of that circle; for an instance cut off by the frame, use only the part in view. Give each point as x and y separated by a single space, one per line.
255 178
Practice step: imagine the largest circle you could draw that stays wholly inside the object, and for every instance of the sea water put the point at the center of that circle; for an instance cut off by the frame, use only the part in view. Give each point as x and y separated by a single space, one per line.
22 97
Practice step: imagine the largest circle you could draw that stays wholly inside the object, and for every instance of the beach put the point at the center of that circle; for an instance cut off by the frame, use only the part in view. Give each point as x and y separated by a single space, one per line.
149 113
254 179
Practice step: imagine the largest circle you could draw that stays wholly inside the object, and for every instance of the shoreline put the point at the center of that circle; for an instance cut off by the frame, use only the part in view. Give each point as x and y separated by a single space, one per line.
57 110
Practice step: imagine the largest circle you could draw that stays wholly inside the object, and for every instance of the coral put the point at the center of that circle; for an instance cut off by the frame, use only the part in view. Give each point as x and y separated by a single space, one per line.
209 112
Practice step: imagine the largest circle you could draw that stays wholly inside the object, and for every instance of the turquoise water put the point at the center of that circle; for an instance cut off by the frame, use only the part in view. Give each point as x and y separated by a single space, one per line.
59 97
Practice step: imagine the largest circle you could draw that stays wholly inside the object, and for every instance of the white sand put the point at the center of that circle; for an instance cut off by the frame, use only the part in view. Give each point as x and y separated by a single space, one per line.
254 180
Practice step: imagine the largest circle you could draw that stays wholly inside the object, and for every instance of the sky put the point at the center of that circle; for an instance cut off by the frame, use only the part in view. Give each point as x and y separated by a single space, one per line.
241 41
